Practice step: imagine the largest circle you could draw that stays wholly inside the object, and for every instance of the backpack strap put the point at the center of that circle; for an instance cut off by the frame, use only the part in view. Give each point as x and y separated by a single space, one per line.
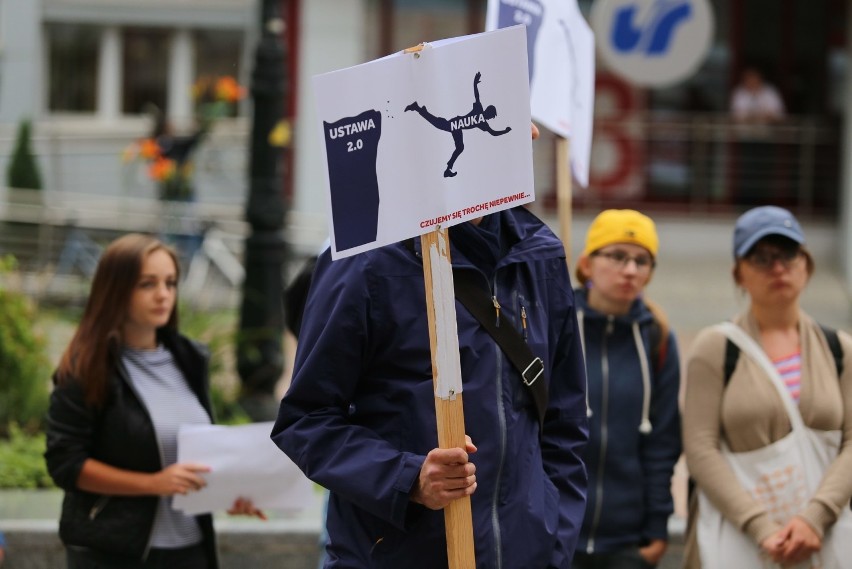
658 335
732 354
659 345
835 347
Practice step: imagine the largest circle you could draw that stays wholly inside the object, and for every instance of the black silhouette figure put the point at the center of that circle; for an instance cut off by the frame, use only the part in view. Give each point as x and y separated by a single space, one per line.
476 118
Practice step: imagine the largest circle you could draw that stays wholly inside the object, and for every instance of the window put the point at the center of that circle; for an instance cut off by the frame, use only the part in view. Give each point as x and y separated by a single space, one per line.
73 56
145 77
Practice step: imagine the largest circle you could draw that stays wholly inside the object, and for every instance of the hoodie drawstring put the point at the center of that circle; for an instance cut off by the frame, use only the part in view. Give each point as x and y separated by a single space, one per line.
645 425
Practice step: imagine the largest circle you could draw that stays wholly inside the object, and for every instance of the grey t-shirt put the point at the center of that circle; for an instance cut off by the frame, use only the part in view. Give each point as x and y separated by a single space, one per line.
171 403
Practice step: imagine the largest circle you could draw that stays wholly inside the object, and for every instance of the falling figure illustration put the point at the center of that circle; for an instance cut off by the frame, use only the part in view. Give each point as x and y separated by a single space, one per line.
476 118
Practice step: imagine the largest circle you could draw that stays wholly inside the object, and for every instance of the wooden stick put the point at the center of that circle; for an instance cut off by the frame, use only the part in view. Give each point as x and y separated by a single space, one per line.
446 378
563 194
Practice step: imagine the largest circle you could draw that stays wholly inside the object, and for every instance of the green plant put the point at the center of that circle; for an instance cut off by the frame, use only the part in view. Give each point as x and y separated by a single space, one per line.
217 331
24 365
23 171
22 460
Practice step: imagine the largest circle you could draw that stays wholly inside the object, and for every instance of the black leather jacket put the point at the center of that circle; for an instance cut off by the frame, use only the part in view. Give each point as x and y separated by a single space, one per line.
120 434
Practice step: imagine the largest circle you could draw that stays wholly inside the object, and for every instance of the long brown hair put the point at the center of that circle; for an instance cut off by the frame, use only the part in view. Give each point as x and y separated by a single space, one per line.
90 356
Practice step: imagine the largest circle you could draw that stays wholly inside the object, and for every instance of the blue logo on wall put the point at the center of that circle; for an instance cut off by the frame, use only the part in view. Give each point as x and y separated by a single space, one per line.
655 38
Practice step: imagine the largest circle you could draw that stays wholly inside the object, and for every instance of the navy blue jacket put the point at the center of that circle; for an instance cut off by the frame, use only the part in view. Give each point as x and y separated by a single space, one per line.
359 417
629 497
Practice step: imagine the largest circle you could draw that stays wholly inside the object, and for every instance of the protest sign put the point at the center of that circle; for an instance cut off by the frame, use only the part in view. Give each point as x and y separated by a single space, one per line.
413 141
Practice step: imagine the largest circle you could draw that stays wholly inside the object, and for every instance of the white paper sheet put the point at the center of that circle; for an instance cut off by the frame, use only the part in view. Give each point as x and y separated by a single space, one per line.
244 463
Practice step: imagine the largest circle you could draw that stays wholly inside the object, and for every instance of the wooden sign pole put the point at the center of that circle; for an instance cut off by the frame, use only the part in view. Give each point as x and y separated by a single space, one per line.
446 378
563 194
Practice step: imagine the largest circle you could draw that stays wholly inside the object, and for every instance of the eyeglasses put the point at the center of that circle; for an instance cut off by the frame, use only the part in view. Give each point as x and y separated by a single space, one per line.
764 260
622 259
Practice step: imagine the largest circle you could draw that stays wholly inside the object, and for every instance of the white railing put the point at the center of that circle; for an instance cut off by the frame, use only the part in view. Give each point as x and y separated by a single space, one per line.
707 160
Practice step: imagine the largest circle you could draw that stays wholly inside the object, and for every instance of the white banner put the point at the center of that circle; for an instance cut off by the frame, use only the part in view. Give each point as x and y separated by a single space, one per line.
561 51
416 140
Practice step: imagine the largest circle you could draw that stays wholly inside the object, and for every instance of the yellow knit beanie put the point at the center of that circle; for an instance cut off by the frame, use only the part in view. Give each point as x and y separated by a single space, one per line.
621 226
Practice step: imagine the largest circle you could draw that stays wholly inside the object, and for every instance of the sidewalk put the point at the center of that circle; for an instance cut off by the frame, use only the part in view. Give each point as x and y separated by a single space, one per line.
286 541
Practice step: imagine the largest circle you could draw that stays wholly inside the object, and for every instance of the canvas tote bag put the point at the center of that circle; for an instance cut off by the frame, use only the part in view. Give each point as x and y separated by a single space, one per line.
783 476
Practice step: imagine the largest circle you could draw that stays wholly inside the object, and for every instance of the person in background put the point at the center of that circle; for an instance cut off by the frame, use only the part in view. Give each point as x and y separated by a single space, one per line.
633 372
2 547
756 101
733 407
124 386
755 107
359 417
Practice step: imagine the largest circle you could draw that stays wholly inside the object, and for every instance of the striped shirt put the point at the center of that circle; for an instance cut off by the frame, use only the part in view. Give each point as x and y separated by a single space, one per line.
170 403
790 370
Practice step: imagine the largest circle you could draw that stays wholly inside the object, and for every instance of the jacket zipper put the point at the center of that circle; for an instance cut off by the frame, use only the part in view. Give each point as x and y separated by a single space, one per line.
596 518
501 418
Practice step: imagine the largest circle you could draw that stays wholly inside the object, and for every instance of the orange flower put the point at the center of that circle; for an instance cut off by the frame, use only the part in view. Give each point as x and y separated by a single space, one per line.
227 89
161 169
149 149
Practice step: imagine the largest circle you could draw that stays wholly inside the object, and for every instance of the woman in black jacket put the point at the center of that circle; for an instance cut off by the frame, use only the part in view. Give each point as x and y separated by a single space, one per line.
125 384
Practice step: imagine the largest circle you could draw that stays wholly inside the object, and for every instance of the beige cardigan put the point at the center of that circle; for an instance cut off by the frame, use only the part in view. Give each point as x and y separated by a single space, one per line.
749 414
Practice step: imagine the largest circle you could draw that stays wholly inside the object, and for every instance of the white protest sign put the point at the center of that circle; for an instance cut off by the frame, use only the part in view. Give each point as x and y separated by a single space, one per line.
561 51
413 141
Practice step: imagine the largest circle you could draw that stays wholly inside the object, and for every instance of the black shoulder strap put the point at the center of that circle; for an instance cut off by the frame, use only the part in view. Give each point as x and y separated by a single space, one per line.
732 353
835 347
472 294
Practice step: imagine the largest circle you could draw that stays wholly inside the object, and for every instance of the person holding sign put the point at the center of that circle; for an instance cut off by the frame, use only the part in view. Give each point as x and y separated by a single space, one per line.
634 376
359 416
478 117
126 383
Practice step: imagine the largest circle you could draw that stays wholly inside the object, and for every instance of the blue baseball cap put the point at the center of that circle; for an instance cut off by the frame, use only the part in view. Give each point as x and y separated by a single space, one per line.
759 222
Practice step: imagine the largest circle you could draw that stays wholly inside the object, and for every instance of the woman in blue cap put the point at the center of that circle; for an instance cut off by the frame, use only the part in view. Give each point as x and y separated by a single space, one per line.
768 416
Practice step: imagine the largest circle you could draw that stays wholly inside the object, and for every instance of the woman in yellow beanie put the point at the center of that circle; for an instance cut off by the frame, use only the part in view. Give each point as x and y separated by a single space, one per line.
633 380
